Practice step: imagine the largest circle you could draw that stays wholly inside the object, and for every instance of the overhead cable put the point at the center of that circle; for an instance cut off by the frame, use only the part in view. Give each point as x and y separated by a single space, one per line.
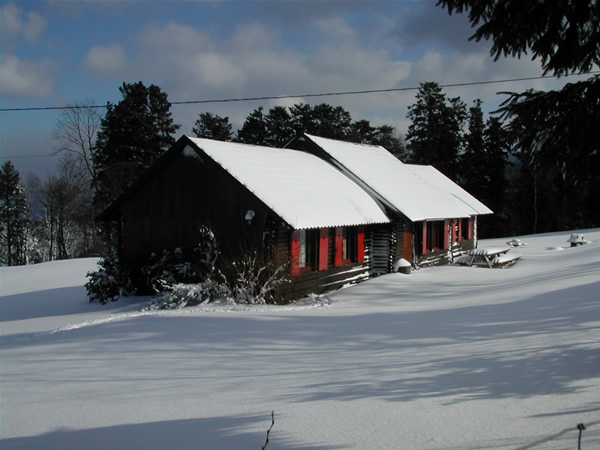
279 97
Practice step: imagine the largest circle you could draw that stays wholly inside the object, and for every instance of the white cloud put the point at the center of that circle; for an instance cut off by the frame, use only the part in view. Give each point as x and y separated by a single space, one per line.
20 78
251 37
14 24
213 71
336 29
256 60
173 37
106 59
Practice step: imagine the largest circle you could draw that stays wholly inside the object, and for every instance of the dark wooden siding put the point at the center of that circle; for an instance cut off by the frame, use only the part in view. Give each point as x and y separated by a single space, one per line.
382 248
321 281
167 211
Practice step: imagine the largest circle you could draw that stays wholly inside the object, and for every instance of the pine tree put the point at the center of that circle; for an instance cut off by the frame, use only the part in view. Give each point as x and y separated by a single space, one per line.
14 217
556 131
279 127
388 138
301 118
361 132
212 126
332 122
435 134
498 143
254 130
474 157
564 34
134 133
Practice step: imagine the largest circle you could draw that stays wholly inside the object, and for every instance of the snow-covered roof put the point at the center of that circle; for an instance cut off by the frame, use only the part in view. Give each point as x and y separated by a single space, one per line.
302 189
418 192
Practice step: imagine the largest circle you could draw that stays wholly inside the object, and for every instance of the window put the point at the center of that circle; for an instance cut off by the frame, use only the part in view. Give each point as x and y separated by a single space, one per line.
435 235
302 258
465 229
431 236
349 245
321 249
305 250
309 248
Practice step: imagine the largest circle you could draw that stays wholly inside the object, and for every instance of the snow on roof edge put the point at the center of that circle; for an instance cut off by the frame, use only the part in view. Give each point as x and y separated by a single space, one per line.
453 201
339 202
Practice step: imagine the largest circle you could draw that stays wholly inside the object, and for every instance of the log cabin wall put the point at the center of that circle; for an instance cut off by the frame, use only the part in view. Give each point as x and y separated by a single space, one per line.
324 278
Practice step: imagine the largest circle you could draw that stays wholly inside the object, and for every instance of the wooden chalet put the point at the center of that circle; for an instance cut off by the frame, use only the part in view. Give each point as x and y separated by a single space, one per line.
432 219
330 210
303 210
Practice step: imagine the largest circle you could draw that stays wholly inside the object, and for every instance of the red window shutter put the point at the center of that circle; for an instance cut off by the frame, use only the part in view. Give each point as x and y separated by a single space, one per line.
446 233
471 228
339 243
361 243
425 249
324 249
295 253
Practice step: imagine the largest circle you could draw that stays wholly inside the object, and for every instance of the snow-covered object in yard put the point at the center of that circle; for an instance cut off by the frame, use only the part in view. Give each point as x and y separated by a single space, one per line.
495 256
402 266
516 243
577 239
488 251
506 259
302 189
418 192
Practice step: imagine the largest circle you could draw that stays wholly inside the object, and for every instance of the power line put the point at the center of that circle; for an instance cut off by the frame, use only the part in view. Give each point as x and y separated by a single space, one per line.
27 156
327 94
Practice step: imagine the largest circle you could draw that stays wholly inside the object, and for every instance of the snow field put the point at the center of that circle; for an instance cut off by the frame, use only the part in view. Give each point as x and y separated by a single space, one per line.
446 357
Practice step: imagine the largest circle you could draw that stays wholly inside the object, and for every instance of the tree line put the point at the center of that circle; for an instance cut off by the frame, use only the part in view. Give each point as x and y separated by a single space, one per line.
536 163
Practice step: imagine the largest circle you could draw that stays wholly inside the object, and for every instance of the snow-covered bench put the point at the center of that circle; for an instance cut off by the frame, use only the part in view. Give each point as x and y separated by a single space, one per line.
507 259
493 256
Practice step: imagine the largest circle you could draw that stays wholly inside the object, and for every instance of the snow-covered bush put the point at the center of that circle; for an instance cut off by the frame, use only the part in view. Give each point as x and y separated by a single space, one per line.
167 269
110 282
181 295
254 278
180 280
246 280
207 277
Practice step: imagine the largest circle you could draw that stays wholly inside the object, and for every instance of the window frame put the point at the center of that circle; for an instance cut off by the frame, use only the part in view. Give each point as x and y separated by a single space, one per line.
324 248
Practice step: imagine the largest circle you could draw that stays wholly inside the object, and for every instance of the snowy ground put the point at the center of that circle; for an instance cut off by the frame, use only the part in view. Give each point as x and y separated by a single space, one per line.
448 357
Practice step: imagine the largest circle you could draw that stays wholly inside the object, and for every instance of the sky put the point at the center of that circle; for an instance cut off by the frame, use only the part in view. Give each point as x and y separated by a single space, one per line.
60 52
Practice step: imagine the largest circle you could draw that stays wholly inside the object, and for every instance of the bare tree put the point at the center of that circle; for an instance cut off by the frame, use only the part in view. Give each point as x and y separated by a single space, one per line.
67 220
76 131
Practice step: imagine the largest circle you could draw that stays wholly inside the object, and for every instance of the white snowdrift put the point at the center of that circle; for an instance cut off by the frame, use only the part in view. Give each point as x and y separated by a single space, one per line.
446 357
